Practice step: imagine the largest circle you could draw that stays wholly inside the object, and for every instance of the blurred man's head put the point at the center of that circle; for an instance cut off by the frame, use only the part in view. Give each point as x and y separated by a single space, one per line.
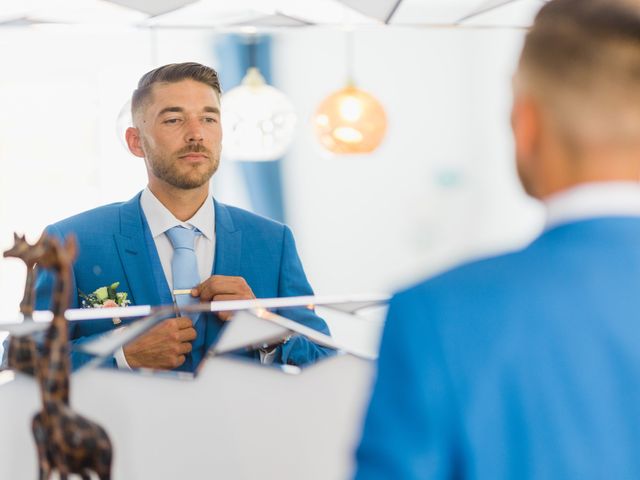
176 117
576 114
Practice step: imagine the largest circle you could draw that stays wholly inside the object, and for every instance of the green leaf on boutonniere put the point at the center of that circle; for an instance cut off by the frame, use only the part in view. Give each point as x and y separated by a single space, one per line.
101 293
111 290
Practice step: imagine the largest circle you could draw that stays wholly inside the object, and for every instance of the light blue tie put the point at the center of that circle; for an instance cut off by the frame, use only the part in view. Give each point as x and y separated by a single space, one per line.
184 265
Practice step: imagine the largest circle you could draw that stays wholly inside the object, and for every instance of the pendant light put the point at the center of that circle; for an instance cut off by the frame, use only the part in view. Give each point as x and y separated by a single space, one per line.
258 120
350 120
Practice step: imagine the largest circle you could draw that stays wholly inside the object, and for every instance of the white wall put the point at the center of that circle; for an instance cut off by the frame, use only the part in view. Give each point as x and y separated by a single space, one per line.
441 188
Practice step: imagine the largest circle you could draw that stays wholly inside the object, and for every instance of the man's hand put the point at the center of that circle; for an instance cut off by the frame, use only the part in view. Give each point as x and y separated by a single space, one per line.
163 347
219 288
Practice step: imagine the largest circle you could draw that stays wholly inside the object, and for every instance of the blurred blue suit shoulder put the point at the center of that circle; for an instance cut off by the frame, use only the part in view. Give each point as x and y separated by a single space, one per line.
522 366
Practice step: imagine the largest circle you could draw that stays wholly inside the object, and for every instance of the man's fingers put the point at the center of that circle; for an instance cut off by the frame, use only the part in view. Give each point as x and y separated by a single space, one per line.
219 284
184 322
180 359
209 290
186 335
224 285
165 346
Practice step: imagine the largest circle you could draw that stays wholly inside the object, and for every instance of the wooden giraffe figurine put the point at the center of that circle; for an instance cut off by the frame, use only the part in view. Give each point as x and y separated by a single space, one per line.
22 350
66 441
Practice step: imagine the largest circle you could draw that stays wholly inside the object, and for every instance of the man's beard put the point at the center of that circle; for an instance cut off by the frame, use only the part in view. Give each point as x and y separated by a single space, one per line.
166 167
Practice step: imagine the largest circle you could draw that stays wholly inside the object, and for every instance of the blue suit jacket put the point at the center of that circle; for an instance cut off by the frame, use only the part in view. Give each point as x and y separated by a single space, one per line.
114 247
524 366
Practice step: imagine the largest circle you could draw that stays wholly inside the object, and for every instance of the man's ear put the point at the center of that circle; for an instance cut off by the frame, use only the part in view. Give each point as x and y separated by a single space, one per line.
525 121
132 135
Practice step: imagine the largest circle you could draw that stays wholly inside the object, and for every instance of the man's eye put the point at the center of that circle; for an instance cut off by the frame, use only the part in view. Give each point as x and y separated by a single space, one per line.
211 119
171 121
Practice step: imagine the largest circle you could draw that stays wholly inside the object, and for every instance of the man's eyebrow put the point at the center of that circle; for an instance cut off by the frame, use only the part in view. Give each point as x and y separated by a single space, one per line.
171 109
180 110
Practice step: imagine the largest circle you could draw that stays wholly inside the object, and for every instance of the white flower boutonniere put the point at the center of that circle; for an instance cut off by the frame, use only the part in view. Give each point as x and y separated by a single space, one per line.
105 297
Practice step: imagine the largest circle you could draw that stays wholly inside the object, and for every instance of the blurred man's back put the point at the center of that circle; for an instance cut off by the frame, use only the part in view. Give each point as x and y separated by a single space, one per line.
527 365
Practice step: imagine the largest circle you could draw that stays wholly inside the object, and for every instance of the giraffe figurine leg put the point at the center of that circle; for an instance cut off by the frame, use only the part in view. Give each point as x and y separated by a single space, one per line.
104 455
59 463
40 435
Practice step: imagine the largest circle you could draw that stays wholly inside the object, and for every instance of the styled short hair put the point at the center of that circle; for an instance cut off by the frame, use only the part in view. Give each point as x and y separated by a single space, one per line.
582 57
171 73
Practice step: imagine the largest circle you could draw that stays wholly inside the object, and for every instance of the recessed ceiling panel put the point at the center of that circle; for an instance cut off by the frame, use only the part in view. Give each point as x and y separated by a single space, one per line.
82 12
273 13
212 13
382 10
219 14
411 12
474 13
153 7
517 14
272 21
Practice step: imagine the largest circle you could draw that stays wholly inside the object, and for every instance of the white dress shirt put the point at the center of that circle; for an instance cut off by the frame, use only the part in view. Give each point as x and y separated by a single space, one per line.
160 219
593 200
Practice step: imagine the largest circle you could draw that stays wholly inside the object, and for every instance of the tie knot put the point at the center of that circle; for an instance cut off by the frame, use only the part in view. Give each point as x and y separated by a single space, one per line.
181 237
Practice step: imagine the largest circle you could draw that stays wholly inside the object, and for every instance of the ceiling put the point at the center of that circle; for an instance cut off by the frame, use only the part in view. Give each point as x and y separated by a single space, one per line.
272 13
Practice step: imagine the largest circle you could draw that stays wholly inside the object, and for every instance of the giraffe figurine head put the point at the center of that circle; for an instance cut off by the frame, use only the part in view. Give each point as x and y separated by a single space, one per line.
22 350
24 250
29 254
55 255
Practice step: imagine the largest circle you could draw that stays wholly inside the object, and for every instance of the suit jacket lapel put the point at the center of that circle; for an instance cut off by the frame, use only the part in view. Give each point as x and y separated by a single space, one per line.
226 261
228 243
134 255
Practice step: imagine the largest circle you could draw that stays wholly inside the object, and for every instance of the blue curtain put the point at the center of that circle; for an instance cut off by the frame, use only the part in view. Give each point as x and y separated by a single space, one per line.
236 53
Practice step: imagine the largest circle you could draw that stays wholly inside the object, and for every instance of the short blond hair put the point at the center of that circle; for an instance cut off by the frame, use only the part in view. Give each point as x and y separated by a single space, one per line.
581 58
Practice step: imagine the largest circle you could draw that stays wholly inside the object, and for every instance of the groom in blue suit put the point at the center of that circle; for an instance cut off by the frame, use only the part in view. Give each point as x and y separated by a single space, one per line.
527 365
234 254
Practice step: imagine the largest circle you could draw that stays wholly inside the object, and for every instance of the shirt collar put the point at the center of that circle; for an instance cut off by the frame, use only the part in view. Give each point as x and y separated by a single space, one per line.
592 200
160 219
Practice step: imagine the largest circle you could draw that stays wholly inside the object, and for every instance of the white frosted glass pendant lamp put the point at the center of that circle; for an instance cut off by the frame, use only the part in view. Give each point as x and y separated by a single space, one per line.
258 120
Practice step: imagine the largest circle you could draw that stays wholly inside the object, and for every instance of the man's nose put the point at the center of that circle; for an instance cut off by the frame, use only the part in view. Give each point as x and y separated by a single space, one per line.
194 131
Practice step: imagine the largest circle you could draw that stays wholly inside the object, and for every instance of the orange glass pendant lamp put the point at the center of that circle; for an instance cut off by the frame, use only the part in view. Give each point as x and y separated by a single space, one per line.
350 121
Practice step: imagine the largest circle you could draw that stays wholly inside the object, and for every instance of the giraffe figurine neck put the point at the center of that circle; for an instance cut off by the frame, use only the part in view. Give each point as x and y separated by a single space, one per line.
28 299
22 355
55 363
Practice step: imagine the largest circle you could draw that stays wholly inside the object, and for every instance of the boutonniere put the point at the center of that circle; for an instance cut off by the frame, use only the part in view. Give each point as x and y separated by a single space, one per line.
105 297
